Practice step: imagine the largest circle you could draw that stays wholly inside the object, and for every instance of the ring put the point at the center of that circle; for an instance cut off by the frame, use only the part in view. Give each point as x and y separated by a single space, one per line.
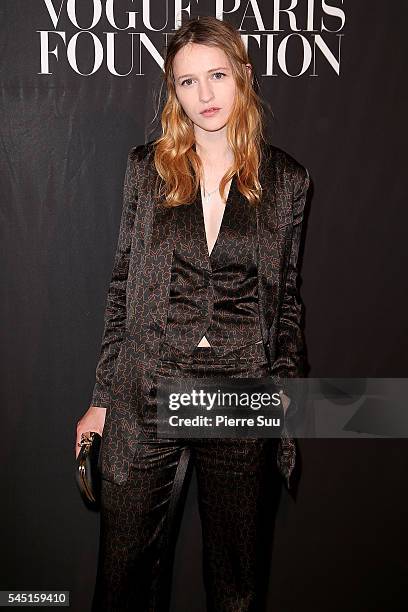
86 438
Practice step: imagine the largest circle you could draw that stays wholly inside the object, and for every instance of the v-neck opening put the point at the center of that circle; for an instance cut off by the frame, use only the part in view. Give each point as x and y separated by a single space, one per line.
228 201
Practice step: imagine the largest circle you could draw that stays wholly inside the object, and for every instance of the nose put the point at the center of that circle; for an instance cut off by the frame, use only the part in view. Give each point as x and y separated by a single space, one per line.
205 92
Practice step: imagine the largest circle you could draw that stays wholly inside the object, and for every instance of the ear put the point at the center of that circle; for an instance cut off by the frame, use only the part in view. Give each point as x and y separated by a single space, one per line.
249 70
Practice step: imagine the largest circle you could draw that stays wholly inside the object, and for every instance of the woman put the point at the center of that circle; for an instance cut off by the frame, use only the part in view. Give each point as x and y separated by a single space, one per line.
203 285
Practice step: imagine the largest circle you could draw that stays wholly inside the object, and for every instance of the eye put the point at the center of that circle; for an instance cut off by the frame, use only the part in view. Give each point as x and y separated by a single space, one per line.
222 73
189 80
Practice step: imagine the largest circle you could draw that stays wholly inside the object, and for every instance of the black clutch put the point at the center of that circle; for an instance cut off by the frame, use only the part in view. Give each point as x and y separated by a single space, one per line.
87 474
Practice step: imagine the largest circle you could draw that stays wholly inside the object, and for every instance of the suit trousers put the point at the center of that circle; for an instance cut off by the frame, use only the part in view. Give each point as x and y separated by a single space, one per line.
139 520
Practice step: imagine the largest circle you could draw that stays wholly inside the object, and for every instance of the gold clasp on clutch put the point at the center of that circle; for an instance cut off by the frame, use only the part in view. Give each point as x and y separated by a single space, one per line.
87 438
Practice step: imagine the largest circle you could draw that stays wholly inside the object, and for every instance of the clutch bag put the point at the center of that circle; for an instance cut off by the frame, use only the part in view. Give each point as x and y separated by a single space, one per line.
87 474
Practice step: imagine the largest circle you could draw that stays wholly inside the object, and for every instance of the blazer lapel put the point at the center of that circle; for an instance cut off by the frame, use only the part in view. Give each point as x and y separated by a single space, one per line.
158 263
268 251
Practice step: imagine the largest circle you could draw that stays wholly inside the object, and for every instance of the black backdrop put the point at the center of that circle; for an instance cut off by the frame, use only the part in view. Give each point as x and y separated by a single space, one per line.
64 138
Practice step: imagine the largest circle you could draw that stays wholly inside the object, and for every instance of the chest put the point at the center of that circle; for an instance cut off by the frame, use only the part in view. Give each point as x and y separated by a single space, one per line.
213 211
216 236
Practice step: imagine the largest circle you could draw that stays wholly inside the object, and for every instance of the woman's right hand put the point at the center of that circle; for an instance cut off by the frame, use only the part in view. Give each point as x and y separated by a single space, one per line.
93 420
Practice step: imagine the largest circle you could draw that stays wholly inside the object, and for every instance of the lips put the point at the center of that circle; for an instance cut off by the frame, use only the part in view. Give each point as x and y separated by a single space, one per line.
210 109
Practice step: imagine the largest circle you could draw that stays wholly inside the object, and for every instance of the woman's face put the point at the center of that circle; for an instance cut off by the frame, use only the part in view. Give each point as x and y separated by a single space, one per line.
203 79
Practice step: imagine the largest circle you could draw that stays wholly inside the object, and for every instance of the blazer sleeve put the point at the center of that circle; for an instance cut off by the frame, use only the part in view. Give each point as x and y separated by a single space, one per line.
115 310
290 338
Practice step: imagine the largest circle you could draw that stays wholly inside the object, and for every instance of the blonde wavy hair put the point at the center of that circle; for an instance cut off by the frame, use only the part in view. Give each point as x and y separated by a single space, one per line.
175 158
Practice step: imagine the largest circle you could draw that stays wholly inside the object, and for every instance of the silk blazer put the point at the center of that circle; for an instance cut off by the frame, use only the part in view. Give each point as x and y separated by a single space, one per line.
137 300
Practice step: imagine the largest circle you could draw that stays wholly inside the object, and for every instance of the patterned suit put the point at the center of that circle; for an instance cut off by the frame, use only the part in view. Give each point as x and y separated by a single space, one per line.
140 518
163 255
137 302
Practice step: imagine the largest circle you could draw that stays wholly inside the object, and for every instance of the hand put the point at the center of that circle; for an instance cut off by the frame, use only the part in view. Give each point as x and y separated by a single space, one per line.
285 401
93 420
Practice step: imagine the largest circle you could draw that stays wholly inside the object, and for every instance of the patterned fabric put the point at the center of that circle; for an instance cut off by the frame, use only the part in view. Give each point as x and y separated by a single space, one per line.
216 295
138 295
140 519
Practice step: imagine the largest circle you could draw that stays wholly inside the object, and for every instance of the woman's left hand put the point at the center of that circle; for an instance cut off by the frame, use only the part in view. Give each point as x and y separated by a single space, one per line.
285 401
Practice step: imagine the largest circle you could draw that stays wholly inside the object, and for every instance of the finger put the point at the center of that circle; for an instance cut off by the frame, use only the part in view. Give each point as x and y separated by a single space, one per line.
77 445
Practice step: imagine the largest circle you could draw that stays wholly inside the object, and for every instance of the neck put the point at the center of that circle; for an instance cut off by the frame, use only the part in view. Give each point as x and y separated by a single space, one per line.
213 149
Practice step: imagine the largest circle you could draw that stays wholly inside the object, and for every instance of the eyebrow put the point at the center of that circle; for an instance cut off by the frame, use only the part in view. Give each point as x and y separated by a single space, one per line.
211 70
